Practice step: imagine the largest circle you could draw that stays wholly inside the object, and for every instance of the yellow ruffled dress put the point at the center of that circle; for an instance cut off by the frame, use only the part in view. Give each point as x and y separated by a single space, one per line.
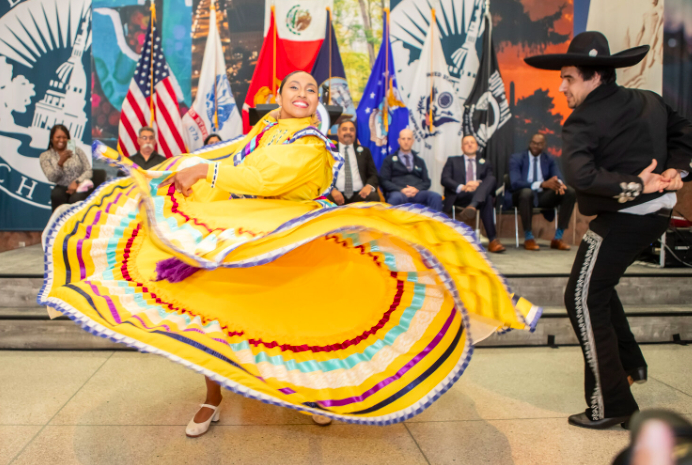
364 313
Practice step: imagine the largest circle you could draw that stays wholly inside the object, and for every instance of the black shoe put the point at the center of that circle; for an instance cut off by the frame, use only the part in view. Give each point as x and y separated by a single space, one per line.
638 375
583 421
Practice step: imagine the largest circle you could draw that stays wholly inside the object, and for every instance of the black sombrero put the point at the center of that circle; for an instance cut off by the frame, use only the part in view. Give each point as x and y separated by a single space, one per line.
589 48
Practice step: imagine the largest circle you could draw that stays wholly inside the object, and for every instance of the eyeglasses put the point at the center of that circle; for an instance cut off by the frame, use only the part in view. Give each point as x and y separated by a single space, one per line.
147 137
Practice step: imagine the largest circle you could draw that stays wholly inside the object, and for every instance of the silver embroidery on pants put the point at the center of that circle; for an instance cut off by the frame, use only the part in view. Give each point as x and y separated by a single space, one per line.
581 295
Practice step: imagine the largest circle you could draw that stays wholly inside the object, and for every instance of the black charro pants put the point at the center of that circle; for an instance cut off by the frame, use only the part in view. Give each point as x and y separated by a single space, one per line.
613 242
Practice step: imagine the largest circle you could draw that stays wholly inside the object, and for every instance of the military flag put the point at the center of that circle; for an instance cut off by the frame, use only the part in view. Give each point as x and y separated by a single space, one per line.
486 111
214 109
329 72
381 114
435 108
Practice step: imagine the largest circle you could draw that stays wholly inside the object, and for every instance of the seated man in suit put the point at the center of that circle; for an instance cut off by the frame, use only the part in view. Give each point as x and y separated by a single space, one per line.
537 182
357 179
404 176
470 182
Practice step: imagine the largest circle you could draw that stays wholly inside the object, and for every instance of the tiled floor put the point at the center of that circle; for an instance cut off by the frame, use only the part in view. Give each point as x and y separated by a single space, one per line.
510 407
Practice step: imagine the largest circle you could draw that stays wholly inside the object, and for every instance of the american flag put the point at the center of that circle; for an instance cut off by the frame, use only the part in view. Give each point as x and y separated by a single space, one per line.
136 109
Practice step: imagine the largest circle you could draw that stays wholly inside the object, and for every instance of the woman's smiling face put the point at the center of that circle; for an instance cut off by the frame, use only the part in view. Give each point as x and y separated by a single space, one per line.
299 96
59 139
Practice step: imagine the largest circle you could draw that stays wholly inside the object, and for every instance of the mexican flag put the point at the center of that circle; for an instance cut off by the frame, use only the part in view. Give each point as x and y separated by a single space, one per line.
293 34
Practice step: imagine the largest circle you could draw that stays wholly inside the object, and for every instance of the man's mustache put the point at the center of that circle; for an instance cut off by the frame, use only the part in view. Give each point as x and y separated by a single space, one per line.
148 146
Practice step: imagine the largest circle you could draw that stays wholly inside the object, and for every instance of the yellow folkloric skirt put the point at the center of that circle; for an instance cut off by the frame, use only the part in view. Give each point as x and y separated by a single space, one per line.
365 313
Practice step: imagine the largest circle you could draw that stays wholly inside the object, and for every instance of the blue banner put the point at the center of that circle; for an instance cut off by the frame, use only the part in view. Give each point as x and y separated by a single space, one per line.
45 79
329 73
381 114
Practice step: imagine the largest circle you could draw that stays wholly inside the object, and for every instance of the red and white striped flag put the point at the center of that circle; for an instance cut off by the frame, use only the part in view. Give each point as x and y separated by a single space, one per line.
152 76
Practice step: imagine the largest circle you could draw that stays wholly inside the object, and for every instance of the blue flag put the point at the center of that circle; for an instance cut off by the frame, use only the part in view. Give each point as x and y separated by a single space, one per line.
381 114
337 85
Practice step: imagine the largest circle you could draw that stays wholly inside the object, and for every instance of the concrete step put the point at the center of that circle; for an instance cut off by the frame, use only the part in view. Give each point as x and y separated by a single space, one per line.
544 290
641 289
30 328
649 324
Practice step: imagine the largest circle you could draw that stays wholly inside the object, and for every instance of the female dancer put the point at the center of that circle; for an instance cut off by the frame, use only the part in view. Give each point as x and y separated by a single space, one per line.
230 262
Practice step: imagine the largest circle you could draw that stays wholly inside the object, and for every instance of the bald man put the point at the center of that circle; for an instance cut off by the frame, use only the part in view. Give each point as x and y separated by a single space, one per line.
404 176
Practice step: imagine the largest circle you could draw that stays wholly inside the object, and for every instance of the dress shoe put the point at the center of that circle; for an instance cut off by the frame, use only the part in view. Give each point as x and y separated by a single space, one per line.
468 214
195 430
638 375
495 246
583 421
321 420
559 244
530 244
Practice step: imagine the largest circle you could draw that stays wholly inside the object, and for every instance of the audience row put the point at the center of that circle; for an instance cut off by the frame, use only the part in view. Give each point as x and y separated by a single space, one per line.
469 183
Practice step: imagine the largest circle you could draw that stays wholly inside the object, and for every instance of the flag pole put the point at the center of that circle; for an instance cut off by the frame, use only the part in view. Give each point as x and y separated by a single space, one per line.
385 40
432 70
274 55
151 64
489 64
216 104
329 18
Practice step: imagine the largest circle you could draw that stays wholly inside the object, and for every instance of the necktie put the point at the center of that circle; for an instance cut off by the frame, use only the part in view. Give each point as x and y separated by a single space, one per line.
348 176
469 170
535 178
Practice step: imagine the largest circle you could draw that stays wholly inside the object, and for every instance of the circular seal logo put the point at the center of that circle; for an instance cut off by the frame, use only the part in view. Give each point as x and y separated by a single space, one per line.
445 100
298 19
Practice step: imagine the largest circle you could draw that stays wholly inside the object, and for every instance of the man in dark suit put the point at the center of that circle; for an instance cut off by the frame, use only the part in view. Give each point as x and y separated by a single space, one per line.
357 180
404 176
146 157
625 151
537 182
470 182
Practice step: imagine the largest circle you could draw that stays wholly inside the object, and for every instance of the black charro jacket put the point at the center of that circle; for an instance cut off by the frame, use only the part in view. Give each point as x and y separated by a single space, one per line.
611 137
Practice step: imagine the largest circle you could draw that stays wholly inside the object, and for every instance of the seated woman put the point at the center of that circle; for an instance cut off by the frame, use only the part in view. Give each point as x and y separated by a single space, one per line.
231 262
212 139
69 170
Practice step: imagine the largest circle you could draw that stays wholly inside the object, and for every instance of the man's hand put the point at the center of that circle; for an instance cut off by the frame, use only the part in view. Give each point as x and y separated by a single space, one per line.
72 188
365 191
552 183
471 186
673 176
64 157
653 182
409 191
337 196
185 179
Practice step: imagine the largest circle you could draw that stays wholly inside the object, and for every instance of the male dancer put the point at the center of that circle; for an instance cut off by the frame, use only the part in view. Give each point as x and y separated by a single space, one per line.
624 151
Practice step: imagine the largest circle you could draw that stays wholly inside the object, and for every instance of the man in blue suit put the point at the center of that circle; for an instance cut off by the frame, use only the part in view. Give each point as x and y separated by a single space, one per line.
404 177
470 183
537 182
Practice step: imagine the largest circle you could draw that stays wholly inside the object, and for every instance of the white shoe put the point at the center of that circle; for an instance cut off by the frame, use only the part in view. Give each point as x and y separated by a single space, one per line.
321 420
195 430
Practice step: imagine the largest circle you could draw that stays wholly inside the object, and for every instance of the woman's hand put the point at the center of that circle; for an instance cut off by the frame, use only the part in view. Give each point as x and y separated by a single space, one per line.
72 188
64 157
185 179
